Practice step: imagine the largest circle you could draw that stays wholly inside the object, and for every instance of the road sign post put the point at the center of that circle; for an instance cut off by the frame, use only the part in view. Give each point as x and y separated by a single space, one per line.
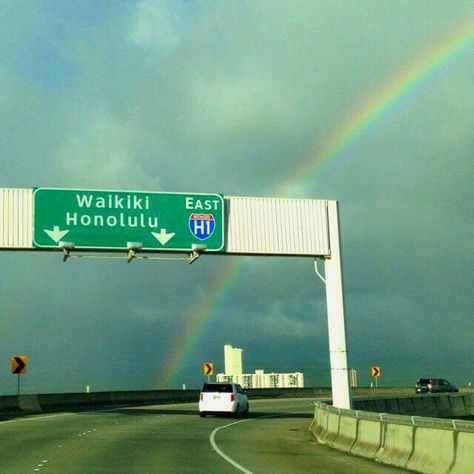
340 384
111 220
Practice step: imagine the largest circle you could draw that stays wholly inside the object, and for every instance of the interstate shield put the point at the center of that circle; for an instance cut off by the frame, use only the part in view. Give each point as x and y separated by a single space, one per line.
202 225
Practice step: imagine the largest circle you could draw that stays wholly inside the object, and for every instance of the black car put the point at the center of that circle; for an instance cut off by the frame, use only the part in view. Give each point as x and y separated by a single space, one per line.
434 386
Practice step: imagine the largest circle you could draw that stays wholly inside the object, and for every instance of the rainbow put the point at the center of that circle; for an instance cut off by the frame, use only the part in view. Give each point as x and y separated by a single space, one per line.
384 100
352 128
194 326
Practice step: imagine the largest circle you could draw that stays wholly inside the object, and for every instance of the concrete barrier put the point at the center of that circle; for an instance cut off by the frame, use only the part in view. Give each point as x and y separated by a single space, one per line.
71 401
319 423
11 405
469 401
397 444
443 407
421 444
463 461
438 405
347 433
332 428
379 399
406 406
425 406
427 459
29 403
392 406
368 438
256 393
458 405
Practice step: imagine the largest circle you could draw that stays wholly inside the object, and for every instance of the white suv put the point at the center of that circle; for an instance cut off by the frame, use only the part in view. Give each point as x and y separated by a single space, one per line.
223 398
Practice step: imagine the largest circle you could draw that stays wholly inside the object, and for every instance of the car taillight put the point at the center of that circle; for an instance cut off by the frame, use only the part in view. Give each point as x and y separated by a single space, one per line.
232 397
201 397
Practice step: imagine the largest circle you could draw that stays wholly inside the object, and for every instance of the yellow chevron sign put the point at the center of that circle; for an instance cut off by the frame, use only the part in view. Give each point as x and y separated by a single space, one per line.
376 371
208 368
19 364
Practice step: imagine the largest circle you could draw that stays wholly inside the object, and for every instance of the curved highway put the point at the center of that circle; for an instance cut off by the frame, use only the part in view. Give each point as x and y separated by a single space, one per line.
174 439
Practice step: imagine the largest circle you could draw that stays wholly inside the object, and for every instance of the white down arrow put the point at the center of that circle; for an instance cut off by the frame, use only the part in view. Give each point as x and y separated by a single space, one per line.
162 237
56 234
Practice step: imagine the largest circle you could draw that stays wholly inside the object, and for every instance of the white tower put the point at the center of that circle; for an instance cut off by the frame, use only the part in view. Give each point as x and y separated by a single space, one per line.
232 360
353 377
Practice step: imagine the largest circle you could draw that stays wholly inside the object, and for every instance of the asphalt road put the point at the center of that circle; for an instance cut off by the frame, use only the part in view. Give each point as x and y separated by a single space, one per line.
174 439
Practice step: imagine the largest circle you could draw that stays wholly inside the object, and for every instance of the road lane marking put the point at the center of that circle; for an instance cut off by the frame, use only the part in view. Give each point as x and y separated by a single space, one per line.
228 458
33 418
221 453
55 415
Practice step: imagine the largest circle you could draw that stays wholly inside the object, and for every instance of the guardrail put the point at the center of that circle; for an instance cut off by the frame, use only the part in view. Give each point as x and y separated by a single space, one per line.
417 443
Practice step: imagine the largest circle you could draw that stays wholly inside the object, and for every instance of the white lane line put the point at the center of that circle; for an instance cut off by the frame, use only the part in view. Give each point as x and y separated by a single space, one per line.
42 417
40 465
229 459
55 415
224 455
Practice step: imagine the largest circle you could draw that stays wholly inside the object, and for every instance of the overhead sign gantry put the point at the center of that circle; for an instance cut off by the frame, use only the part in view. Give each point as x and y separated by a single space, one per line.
113 221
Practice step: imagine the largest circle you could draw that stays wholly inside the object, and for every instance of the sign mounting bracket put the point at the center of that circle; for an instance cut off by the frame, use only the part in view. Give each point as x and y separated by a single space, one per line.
317 271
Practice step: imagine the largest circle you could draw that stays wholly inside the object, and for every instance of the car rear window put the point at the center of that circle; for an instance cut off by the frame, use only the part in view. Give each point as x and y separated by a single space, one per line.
424 381
217 387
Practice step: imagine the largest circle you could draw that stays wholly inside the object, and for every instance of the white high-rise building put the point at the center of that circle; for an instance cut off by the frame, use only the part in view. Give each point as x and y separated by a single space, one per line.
353 377
234 373
262 380
232 360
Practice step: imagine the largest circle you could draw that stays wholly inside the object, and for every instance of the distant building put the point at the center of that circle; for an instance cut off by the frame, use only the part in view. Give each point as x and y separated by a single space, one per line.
232 360
234 373
262 380
353 377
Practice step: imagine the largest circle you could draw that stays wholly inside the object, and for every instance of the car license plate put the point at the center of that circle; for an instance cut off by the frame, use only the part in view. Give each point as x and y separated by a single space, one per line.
216 397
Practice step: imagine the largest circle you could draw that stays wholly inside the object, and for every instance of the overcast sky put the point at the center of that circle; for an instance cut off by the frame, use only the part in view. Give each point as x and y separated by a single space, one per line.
242 98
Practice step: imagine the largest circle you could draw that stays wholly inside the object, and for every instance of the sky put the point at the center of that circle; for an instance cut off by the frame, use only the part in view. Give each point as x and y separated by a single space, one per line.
368 103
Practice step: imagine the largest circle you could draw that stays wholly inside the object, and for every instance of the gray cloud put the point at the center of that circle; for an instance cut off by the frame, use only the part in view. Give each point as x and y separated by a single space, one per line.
234 97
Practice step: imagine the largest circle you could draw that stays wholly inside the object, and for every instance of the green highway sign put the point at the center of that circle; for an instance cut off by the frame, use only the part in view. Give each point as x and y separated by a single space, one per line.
92 219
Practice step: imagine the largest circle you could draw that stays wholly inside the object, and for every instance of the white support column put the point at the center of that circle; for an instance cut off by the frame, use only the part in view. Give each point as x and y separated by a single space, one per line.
341 391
